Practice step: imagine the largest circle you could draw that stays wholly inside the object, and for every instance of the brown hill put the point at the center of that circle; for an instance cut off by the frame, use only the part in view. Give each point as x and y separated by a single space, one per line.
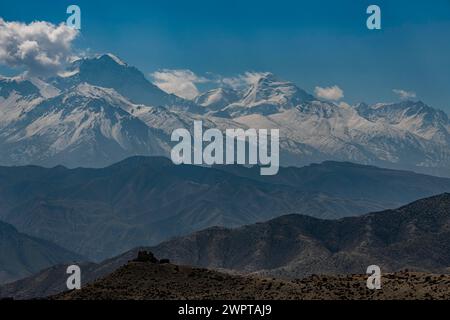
52 280
153 281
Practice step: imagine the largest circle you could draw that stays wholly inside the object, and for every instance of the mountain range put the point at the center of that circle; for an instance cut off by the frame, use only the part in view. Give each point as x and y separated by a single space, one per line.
141 201
414 237
101 110
326 258
85 175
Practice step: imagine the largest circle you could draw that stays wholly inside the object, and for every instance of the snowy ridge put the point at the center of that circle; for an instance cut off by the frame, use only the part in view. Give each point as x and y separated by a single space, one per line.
415 117
268 95
217 99
114 58
104 110
83 126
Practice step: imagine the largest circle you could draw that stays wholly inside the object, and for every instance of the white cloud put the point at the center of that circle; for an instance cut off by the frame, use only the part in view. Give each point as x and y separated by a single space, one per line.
404 95
329 93
184 82
179 82
40 47
243 81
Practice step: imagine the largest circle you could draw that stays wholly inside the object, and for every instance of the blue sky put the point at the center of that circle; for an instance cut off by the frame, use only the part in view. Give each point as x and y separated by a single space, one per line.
313 43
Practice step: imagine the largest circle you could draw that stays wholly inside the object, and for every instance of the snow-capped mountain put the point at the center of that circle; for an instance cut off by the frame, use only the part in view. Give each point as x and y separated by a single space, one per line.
109 71
340 133
415 117
268 95
17 95
102 110
84 126
217 99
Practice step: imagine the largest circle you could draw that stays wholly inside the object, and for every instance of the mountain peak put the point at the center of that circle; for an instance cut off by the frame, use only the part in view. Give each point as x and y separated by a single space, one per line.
109 71
269 95
218 98
107 61
437 202
267 77
111 57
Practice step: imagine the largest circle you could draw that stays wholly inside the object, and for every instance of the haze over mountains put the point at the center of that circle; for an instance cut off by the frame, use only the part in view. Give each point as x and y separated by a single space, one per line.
22 255
102 110
99 213
293 246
